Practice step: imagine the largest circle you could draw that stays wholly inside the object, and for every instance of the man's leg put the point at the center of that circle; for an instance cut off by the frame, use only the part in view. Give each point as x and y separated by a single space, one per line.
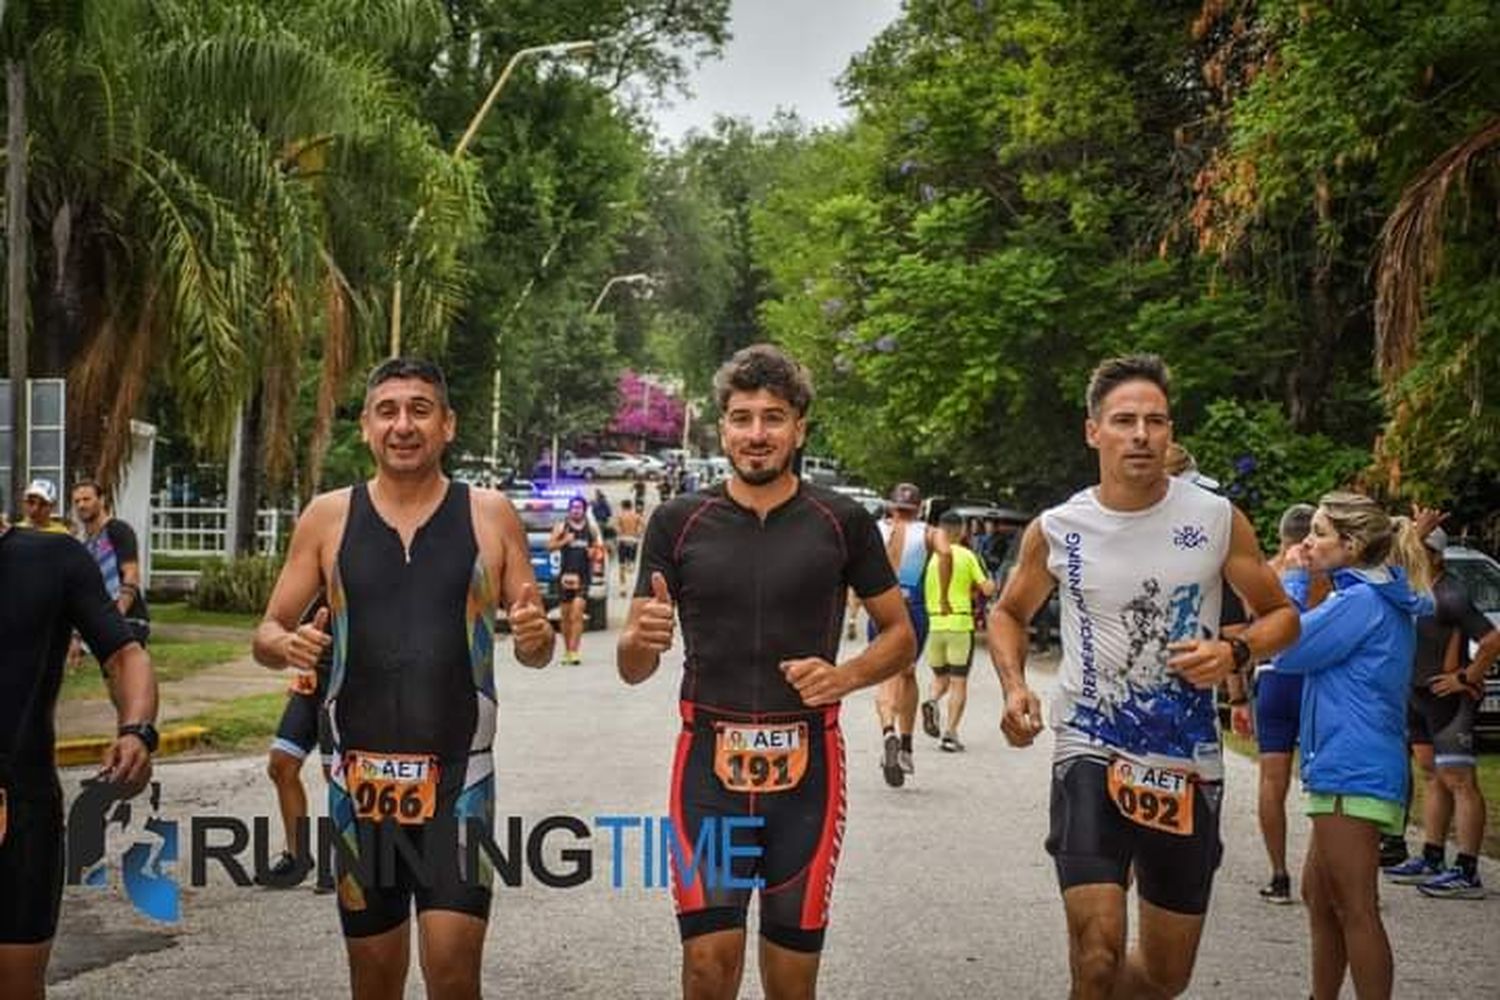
1349 856
451 946
1468 809
1096 939
1437 806
957 700
1275 779
285 772
378 963
573 625
1161 963
932 716
23 969
712 965
786 974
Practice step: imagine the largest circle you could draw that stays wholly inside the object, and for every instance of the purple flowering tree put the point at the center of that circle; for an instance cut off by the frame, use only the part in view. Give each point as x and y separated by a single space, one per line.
646 411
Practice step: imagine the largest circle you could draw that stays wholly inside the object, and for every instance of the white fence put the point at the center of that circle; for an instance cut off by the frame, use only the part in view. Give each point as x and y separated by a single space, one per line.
203 532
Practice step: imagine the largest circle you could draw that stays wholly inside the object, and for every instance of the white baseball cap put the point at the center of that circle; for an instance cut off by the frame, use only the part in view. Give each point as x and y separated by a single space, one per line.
42 489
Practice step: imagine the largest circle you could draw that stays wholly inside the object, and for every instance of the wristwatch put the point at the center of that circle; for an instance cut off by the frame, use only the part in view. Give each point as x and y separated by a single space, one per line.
143 731
1241 650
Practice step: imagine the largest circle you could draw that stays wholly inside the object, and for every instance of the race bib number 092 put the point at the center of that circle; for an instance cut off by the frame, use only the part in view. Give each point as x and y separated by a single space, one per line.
1155 797
769 758
402 787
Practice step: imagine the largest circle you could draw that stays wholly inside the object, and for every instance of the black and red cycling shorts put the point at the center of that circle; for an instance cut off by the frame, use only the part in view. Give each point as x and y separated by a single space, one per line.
800 832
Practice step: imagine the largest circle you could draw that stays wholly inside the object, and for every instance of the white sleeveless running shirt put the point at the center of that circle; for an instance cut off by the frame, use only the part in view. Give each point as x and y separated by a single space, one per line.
1129 583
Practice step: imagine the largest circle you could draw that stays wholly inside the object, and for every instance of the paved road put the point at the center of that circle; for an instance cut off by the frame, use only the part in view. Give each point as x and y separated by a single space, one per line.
943 890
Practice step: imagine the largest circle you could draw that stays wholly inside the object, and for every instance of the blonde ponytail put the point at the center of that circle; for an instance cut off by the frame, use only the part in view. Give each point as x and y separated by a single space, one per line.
1410 553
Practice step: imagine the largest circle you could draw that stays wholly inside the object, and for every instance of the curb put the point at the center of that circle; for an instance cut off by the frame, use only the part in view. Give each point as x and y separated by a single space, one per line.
75 753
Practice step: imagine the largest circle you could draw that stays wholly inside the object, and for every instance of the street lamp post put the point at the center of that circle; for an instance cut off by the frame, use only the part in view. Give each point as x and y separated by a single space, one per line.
558 49
639 278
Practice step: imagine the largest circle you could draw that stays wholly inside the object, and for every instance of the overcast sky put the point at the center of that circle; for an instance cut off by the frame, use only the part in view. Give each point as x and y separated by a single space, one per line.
784 54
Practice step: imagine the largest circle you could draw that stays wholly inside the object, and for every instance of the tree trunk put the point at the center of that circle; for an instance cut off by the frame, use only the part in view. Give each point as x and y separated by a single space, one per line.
16 267
252 430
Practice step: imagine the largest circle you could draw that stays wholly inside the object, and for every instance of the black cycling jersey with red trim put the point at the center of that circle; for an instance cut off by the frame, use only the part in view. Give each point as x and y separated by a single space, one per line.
751 593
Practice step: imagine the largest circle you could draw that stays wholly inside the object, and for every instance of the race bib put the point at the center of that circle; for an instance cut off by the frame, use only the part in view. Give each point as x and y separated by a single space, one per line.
398 786
764 758
4 814
571 581
304 682
1155 797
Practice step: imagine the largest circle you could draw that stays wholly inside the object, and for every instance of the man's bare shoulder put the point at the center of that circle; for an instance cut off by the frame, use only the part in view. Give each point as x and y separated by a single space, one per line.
326 510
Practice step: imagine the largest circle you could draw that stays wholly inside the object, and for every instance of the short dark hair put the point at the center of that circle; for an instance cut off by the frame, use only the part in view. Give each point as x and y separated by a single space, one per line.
1296 522
92 484
1115 372
625 505
764 366
417 368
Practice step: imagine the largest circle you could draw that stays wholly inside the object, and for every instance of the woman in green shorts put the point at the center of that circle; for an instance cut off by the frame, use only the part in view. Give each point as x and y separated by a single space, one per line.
1356 652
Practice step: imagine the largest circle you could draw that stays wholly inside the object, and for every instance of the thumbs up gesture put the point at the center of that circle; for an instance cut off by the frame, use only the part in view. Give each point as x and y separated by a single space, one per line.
656 620
529 628
304 647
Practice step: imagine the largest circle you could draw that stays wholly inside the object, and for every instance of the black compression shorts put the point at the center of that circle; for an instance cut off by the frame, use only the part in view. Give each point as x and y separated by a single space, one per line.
431 874
304 725
1091 842
798 842
1447 723
31 865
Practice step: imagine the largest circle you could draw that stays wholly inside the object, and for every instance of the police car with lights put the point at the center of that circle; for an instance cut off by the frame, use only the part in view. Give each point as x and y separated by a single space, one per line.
539 511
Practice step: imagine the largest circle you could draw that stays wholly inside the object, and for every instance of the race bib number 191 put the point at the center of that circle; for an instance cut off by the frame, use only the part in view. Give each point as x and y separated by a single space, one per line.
1155 797
768 758
402 787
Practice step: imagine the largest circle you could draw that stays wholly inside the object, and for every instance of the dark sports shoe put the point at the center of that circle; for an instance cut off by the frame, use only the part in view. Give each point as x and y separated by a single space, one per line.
285 873
1278 891
930 718
1412 871
1454 883
890 763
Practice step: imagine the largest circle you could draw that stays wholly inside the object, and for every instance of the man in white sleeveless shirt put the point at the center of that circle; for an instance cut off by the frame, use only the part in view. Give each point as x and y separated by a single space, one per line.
1137 779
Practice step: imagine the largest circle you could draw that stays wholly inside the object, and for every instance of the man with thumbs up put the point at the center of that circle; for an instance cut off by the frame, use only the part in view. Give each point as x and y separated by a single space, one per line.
757 570
414 567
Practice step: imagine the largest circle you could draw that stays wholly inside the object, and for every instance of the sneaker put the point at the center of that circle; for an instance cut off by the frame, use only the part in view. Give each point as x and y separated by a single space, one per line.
908 766
930 718
1278 890
951 744
1453 884
890 764
284 873
1413 871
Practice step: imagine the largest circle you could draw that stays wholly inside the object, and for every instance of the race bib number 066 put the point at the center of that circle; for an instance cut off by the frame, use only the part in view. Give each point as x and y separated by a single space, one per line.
402 787
770 758
1155 797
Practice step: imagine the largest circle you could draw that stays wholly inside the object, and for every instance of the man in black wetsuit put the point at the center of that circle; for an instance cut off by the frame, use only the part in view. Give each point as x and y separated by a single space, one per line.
757 570
414 567
52 587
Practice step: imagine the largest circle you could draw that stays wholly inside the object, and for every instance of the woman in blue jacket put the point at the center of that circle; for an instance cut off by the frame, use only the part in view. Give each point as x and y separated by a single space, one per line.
1356 652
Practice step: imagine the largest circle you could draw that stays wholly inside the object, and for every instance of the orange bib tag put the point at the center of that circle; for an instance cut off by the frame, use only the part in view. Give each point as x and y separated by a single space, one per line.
762 758
304 682
4 814
398 786
1155 797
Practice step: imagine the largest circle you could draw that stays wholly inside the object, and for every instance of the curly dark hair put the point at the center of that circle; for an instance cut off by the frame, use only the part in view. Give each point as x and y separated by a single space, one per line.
764 366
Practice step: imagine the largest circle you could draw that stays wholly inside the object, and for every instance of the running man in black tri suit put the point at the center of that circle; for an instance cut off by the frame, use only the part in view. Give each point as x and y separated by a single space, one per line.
414 567
51 586
757 570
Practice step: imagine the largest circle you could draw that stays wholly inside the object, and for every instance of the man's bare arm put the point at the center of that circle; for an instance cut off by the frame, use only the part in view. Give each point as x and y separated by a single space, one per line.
130 585
944 550
1026 590
276 643
132 684
895 643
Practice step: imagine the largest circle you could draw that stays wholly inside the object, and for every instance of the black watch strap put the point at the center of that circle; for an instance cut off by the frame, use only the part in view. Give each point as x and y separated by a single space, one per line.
143 731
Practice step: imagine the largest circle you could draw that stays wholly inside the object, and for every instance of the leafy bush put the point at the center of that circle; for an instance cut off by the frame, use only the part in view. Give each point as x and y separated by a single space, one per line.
1265 466
243 584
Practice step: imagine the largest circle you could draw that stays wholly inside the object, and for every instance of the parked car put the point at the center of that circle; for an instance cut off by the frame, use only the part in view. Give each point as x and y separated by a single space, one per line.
865 497
823 471
649 466
538 515
1481 577
605 465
